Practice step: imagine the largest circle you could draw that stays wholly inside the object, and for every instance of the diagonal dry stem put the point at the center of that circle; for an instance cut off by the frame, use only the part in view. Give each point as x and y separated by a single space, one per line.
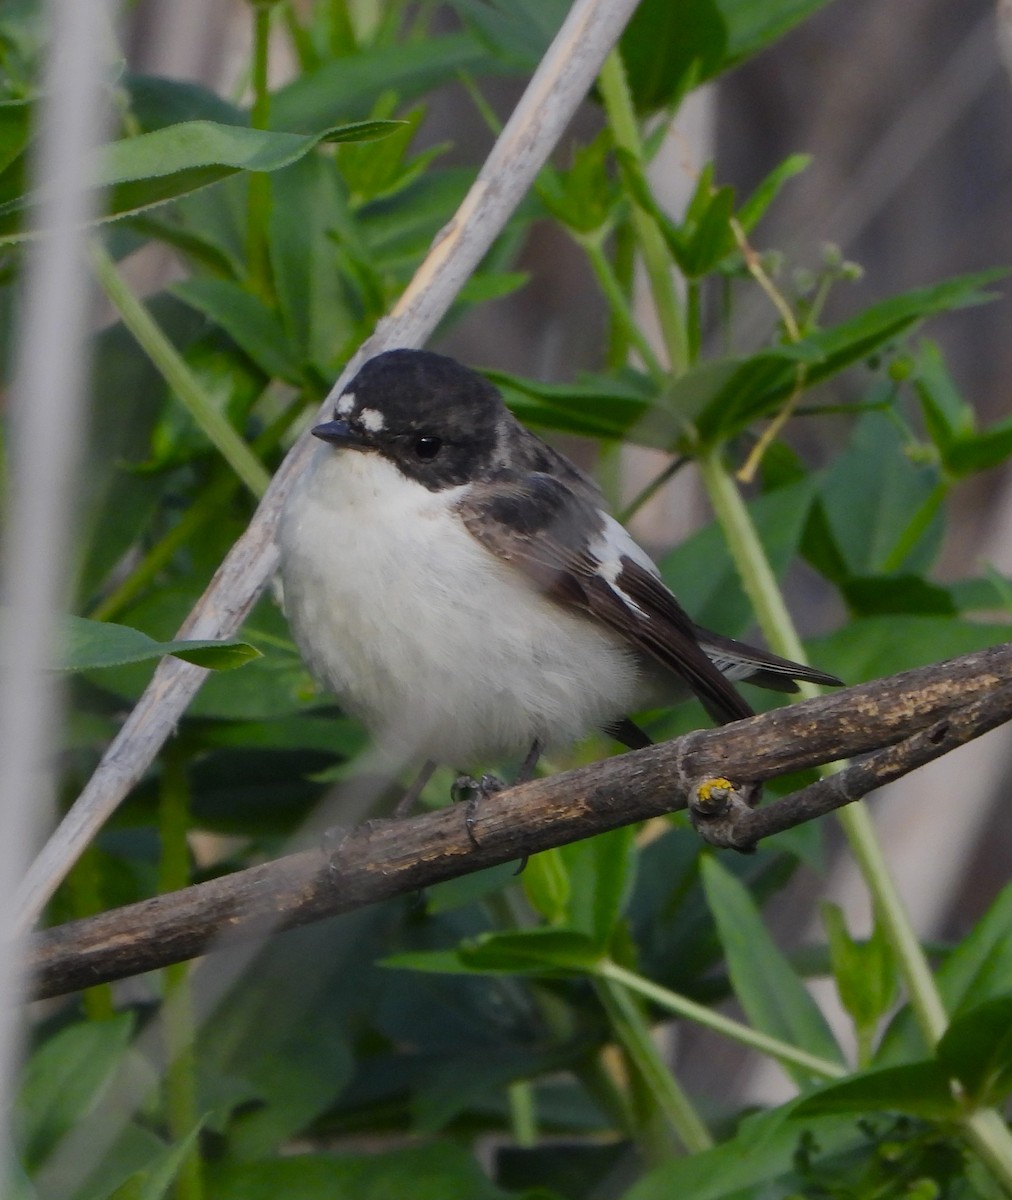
552 96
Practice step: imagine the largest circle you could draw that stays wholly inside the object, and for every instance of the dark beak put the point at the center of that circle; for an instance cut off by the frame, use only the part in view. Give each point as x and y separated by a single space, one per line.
339 433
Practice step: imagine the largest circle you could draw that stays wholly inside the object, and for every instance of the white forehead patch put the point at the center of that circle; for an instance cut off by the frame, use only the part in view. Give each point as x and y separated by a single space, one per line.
372 419
345 404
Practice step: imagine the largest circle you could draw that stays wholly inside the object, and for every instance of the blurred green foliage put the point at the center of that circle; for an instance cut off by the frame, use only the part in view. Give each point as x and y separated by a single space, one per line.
368 1055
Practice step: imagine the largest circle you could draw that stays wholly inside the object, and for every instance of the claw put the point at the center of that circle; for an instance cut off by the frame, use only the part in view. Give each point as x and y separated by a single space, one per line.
471 792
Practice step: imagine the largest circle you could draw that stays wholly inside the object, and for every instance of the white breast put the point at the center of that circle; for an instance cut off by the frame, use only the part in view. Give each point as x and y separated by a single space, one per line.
440 649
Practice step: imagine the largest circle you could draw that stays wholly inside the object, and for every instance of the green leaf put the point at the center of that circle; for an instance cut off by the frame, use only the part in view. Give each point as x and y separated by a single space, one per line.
157 101
230 383
247 320
583 197
153 1181
195 245
546 885
754 24
435 1172
918 1089
518 32
872 647
722 397
871 495
468 889
668 49
347 88
871 595
948 417
865 972
601 873
91 644
308 207
15 122
980 453
531 952
117 503
437 962
700 246
702 575
951 422
283 1073
980 967
618 405
152 168
754 208
65 1079
273 685
771 993
976 1049
763 1149
491 285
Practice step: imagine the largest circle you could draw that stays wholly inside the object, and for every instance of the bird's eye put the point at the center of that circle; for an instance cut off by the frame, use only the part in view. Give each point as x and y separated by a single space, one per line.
426 447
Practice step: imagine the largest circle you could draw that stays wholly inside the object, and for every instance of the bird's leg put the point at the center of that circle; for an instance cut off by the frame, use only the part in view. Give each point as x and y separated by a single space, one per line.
473 791
530 763
628 734
410 798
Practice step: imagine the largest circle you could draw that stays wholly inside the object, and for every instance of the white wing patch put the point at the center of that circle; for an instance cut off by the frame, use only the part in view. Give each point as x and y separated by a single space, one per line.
345 403
610 547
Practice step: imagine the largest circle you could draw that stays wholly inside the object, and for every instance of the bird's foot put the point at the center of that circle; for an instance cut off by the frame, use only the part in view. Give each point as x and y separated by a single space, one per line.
470 791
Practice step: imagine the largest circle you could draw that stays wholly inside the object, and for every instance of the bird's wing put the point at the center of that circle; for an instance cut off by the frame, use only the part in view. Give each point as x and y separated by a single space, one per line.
585 560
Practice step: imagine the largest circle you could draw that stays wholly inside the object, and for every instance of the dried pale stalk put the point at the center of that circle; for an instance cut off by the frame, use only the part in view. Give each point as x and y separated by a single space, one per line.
556 89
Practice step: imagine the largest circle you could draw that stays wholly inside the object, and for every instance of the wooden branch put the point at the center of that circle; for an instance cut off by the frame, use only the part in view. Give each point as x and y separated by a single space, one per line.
555 91
920 714
737 826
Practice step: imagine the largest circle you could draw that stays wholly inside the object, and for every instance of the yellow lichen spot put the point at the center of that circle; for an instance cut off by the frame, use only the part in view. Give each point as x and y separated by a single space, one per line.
706 790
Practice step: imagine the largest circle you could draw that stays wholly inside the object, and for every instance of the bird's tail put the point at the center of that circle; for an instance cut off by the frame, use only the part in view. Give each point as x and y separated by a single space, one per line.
740 662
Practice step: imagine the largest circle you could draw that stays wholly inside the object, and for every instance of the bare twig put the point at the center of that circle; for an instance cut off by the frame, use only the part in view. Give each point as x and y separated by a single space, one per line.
918 712
740 827
556 89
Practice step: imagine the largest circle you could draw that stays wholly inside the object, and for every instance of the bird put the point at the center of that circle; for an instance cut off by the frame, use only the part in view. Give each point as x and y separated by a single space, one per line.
460 587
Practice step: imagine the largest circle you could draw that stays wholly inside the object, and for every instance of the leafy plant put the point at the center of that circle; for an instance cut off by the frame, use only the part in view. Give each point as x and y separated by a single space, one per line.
367 1055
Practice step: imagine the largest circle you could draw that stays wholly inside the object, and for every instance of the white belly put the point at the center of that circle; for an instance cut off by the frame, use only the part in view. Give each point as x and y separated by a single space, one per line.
441 651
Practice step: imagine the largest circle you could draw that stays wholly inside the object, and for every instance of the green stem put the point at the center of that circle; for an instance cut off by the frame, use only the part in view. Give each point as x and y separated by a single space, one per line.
206 506
749 557
990 1136
177 1008
672 1002
622 267
84 893
172 367
694 318
618 105
523 1116
916 526
767 600
618 305
259 202
632 1032
301 39
984 1128
652 488
601 1085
